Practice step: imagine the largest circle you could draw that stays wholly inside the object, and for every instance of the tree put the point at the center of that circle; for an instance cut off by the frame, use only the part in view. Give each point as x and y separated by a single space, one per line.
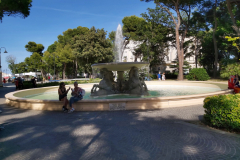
234 12
175 65
21 67
152 31
233 7
211 13
52 47
92 47
111 36
35 49
181 24
15 8
231 69
226 53
131 27
68 39
34 62
65 56
156 35
11 60
234 43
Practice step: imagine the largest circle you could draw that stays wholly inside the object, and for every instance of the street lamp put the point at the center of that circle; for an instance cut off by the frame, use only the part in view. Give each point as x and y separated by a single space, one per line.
148 57
1 66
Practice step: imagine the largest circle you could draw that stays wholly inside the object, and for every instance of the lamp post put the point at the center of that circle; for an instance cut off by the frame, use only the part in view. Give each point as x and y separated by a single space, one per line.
54 68
1 66
148 57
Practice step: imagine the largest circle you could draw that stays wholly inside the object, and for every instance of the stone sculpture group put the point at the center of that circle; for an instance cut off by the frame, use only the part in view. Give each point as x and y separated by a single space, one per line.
134 85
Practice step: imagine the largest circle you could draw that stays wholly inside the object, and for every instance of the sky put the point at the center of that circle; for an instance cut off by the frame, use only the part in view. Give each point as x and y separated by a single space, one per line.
50 18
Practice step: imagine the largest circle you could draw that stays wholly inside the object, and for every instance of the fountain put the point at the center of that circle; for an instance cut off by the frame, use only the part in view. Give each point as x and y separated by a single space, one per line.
133 91
107 86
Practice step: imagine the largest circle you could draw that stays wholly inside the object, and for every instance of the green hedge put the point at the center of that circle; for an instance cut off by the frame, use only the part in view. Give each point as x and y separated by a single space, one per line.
223 111
28 84
198 74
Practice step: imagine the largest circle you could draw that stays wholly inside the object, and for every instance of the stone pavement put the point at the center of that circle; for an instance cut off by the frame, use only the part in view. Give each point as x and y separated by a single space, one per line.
154 134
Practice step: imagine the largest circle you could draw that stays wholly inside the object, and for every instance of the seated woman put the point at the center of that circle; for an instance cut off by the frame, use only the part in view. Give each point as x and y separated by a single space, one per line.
77 94
230 82
62 92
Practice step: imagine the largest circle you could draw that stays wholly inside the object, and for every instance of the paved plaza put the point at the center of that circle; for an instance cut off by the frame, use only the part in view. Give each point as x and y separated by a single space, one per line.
164 134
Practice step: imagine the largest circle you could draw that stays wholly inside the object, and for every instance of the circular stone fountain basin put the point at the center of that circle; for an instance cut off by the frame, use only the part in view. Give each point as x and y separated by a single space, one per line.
163 94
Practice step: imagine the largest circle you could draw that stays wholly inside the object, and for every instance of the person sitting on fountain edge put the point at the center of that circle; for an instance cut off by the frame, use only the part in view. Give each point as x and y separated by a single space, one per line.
77 94
62 92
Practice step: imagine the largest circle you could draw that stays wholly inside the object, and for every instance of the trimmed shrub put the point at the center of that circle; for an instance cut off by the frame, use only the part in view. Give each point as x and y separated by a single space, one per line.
223 111
198 74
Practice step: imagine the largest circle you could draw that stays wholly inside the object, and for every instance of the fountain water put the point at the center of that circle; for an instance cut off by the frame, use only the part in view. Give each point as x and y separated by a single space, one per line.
118 44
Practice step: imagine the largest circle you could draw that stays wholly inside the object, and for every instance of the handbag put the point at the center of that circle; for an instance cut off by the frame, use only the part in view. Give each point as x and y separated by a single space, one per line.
82 93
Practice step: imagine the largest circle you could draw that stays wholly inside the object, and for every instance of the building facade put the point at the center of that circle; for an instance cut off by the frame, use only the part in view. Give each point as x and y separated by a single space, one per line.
128 56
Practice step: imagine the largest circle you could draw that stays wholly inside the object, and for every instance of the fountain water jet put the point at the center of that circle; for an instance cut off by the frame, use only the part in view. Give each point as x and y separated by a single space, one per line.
118 44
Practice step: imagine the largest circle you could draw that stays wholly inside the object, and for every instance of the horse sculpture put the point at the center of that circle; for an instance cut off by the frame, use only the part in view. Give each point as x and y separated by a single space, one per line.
105 86
108 86
135 85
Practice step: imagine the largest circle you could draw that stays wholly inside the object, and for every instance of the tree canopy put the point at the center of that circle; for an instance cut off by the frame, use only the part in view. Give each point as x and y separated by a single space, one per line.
183 10
19 8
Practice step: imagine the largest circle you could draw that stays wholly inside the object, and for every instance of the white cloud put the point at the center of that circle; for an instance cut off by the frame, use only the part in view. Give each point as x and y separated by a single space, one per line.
76 12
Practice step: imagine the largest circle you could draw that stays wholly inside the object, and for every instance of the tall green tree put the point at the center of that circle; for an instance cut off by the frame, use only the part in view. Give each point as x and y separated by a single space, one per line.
211 14
233 7
68 39
15 8
153 32
111 36
65 56
50 58
156 34
34 47
36 57
181 24
92 47
34 62
21 67
131 27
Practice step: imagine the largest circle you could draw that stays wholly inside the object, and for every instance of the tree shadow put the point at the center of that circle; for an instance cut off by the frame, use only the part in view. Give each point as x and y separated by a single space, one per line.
155 134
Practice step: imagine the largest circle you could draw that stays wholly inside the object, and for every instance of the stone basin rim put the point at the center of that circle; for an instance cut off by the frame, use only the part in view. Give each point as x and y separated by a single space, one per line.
11 96
103 104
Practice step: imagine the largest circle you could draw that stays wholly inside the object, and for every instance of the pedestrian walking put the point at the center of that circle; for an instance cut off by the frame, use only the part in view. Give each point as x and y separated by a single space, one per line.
159 76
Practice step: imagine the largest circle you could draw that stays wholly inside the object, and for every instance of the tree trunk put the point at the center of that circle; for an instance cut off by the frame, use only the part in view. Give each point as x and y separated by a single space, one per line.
215 42
64 69
76 65
235 27
180 57
42 73
196 52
